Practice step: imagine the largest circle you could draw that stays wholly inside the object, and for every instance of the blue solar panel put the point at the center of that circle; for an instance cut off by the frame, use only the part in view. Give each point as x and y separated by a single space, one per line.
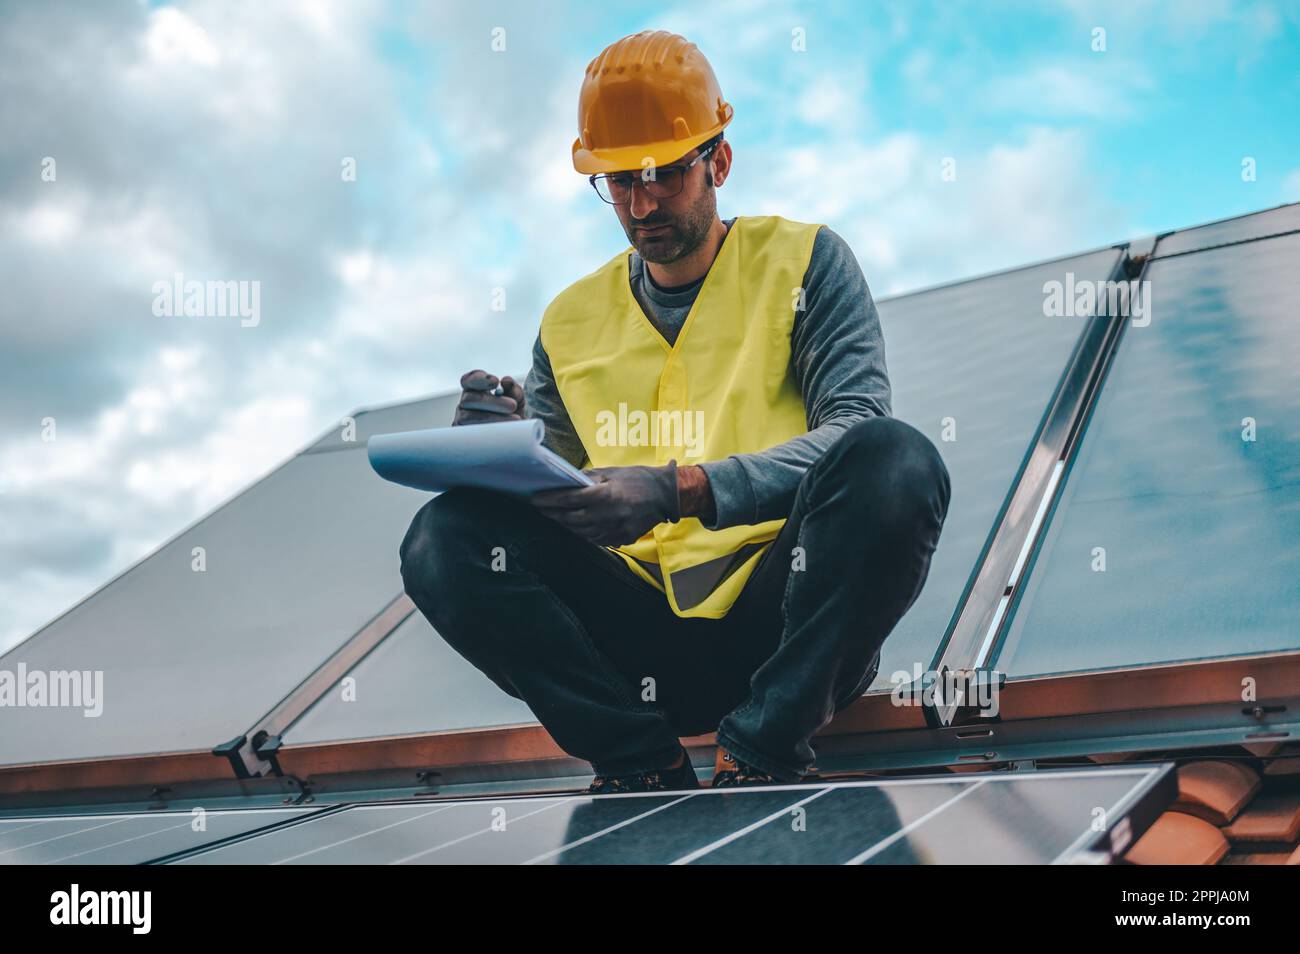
205 636
125 838
973 366
1029 817
1284 218
1177 534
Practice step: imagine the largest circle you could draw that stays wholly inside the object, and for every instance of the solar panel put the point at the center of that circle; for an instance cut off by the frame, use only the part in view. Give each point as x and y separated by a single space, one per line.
292 568
125 839
973 366
1030 817
410 416
1284 218
1198 525
411 682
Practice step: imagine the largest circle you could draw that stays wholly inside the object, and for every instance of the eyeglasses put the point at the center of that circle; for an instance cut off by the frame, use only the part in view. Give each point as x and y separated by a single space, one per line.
660 182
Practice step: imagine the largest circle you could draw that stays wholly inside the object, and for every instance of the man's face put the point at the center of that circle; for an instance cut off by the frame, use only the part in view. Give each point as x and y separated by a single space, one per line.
665 230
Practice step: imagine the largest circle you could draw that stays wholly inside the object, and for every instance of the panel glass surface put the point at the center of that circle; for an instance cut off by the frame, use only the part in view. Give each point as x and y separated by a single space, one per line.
1282 219
293 567
1199 528
411 682
411 416
125 839
980 359
1022 818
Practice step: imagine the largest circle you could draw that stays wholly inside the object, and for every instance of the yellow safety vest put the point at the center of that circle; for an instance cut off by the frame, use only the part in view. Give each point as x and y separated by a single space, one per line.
726 387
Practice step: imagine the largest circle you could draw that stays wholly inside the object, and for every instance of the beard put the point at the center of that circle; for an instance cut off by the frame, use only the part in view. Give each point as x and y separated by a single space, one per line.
682 235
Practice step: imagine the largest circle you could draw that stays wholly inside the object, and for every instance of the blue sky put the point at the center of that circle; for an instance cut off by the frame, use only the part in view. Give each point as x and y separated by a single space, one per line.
206 137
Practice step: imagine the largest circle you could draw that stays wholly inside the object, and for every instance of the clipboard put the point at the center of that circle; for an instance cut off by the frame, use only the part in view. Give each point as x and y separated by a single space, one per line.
506 456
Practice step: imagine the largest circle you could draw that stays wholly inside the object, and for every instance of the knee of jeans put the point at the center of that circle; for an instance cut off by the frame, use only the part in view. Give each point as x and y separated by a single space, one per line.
436 549
891 460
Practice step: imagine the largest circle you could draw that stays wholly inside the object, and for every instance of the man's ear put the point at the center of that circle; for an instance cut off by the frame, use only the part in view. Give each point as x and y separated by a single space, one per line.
720 163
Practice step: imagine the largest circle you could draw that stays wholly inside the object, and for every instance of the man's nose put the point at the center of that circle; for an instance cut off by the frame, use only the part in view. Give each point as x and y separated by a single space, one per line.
641 203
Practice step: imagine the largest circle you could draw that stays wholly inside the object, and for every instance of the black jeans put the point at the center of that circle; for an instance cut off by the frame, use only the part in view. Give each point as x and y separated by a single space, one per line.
616 677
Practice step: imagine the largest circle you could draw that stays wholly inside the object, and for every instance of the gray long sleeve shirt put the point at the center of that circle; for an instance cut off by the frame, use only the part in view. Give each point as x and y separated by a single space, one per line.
838 355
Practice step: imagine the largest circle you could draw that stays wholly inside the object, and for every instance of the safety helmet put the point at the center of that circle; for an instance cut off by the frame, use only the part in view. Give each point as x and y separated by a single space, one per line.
650 96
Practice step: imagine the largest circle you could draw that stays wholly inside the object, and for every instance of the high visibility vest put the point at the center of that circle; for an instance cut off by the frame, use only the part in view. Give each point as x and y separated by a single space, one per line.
725 387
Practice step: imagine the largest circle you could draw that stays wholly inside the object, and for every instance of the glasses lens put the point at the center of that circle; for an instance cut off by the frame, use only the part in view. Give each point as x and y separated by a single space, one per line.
615 188
662 182
667 182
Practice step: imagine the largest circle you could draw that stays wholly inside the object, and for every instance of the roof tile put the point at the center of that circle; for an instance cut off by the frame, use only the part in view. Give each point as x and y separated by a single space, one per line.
1179 839
1215 790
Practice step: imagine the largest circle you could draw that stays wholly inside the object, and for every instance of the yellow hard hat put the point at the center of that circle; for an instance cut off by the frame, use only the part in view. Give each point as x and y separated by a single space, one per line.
651 96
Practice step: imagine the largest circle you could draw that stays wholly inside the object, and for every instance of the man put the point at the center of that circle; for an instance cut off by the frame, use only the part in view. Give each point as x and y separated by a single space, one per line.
759 522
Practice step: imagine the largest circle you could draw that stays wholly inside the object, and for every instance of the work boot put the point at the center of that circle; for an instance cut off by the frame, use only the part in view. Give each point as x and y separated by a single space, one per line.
658 780
730 772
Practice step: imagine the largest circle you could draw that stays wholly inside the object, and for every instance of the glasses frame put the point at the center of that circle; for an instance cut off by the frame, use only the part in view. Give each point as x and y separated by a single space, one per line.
685 167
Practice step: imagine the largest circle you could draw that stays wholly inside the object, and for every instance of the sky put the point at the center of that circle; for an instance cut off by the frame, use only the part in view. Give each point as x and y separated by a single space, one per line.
209 139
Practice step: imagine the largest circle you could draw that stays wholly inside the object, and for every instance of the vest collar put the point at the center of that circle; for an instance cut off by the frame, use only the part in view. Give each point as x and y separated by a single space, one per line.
633 307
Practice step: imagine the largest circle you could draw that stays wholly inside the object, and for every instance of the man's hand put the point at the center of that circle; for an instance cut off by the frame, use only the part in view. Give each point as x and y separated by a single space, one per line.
620 508
479 404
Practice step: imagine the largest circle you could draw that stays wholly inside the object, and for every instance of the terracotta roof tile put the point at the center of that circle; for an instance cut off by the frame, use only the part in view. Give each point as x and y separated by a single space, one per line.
1215 790
1269 818
1179 839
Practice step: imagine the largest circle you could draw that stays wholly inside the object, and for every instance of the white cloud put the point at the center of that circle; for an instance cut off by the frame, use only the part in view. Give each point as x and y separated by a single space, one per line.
1065 92
47 223
835 99
1015 202
174 37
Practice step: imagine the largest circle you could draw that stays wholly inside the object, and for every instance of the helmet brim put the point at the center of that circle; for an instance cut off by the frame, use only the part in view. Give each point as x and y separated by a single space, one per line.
633 158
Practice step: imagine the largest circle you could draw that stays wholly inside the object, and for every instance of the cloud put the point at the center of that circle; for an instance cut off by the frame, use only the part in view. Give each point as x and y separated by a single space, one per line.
1068 92
173 37
836 98
1018 201
208 140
